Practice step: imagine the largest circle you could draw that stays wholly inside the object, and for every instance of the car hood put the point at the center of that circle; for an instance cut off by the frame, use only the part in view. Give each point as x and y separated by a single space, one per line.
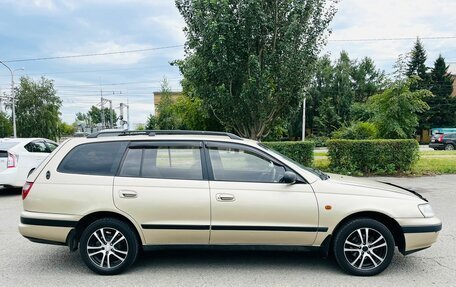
381 185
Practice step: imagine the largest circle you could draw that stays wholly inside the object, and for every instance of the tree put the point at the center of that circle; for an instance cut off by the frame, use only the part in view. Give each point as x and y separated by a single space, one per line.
396 110
37 109
94 114
417 66
250 61
367 79
6 127
442 112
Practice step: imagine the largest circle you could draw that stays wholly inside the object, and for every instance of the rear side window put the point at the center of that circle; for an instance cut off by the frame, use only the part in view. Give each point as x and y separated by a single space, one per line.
37 146
167 162
94 159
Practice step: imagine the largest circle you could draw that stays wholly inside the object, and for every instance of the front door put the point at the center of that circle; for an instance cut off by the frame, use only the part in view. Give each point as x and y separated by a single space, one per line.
163 187
249 204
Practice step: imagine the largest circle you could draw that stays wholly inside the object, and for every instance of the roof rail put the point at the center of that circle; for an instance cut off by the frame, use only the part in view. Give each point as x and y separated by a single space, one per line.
162 132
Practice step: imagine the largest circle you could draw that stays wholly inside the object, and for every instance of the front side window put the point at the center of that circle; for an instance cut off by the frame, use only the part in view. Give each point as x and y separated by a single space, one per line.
50 147
166 162
93 158
235 164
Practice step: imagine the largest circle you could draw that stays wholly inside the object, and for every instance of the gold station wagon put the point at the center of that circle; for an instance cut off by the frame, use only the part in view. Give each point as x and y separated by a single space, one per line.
114 196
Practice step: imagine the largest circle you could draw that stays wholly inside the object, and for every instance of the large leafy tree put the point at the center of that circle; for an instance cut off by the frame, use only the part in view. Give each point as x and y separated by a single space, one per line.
396 110
6 128
250 61
442 112
37 109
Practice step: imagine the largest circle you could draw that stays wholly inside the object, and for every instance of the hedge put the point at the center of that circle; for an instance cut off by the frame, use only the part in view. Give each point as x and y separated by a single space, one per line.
302 152
372 156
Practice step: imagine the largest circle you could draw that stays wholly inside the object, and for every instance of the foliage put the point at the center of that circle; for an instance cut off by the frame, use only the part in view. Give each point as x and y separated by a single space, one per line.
396 110
338 90
37 109
417 66
249 61
442 112
301 152
66 129
319 141
140 127
95 116
372 156
357 131
6 127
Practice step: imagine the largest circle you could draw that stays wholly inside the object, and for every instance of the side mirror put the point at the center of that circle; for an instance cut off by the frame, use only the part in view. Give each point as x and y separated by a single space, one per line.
289 177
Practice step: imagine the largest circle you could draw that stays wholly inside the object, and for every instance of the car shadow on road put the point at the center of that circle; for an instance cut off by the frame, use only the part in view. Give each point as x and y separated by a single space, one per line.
7 191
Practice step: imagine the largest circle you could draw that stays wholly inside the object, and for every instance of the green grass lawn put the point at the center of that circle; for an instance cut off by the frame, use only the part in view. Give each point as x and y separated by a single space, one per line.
430 162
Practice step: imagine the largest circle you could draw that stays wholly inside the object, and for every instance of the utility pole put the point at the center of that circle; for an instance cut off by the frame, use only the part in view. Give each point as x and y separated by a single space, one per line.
13 98
128 115
304 119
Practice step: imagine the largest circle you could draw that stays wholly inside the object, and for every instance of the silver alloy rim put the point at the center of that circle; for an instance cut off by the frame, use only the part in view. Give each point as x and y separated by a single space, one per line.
449 147
107 248
365 248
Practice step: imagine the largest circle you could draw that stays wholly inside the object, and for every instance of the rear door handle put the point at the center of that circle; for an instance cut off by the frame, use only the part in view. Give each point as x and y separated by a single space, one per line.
128 193
225 197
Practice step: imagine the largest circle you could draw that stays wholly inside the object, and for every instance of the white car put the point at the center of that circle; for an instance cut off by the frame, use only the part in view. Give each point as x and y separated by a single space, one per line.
19 157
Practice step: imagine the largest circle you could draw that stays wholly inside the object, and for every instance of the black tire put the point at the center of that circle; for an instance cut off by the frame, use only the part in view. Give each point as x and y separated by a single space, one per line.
364 257
104 236
449 147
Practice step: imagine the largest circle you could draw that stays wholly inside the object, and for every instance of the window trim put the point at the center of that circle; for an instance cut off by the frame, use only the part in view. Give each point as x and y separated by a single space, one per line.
257 151
169 143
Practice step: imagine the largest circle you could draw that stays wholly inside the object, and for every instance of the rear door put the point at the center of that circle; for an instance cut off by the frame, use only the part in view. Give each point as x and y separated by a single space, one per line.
164 187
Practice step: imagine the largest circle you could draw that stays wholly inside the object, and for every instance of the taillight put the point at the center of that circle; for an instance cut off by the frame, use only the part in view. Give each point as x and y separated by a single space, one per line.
26 189
440 138
12 160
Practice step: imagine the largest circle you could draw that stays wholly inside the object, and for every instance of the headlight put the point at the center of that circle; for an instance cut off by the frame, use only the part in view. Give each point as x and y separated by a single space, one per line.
426 210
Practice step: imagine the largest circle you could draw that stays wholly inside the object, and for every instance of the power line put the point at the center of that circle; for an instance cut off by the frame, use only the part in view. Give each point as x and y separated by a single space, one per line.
93 54
392 39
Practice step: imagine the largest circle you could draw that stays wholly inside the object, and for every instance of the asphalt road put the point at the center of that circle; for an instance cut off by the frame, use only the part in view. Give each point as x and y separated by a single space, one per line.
23 263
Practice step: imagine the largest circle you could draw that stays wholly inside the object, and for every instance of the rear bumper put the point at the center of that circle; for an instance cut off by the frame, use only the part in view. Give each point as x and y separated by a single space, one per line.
47 228
11 177
419 233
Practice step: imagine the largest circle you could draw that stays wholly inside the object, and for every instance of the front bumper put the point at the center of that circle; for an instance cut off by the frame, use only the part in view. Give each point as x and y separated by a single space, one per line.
419 233
437 145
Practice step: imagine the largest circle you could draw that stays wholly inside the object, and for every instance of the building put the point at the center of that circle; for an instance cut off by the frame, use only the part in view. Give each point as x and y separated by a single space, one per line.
158 96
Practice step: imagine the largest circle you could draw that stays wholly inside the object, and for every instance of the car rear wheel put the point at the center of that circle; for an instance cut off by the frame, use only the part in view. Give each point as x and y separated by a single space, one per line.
363 247
108 246
449 147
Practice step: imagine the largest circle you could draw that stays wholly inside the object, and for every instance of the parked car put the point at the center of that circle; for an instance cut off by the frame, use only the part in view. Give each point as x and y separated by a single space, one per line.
113 197
445 141
20 156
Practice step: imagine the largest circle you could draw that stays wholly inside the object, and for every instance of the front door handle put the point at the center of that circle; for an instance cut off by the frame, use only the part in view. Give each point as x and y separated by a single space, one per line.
128 193
225 197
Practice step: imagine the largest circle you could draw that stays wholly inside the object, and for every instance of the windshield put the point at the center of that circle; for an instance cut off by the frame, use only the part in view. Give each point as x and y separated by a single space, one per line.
316 172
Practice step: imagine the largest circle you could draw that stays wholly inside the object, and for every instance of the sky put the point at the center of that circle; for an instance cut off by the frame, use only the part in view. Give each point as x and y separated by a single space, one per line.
54 28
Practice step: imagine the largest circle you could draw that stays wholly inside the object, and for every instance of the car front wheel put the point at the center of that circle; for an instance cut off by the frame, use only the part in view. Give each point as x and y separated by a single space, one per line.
363 247
108 246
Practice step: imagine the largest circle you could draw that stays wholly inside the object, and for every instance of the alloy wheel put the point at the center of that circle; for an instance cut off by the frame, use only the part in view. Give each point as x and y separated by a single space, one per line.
365 248
107 248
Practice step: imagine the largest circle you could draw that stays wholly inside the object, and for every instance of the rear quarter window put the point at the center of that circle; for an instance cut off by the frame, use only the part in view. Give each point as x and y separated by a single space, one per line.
93 159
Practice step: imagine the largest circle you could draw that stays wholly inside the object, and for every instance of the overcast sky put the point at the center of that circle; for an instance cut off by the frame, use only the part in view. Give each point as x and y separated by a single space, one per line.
49 28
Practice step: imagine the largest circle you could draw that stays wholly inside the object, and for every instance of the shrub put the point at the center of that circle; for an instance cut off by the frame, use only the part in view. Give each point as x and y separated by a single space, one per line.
372 156
319 141
302 152
357 131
